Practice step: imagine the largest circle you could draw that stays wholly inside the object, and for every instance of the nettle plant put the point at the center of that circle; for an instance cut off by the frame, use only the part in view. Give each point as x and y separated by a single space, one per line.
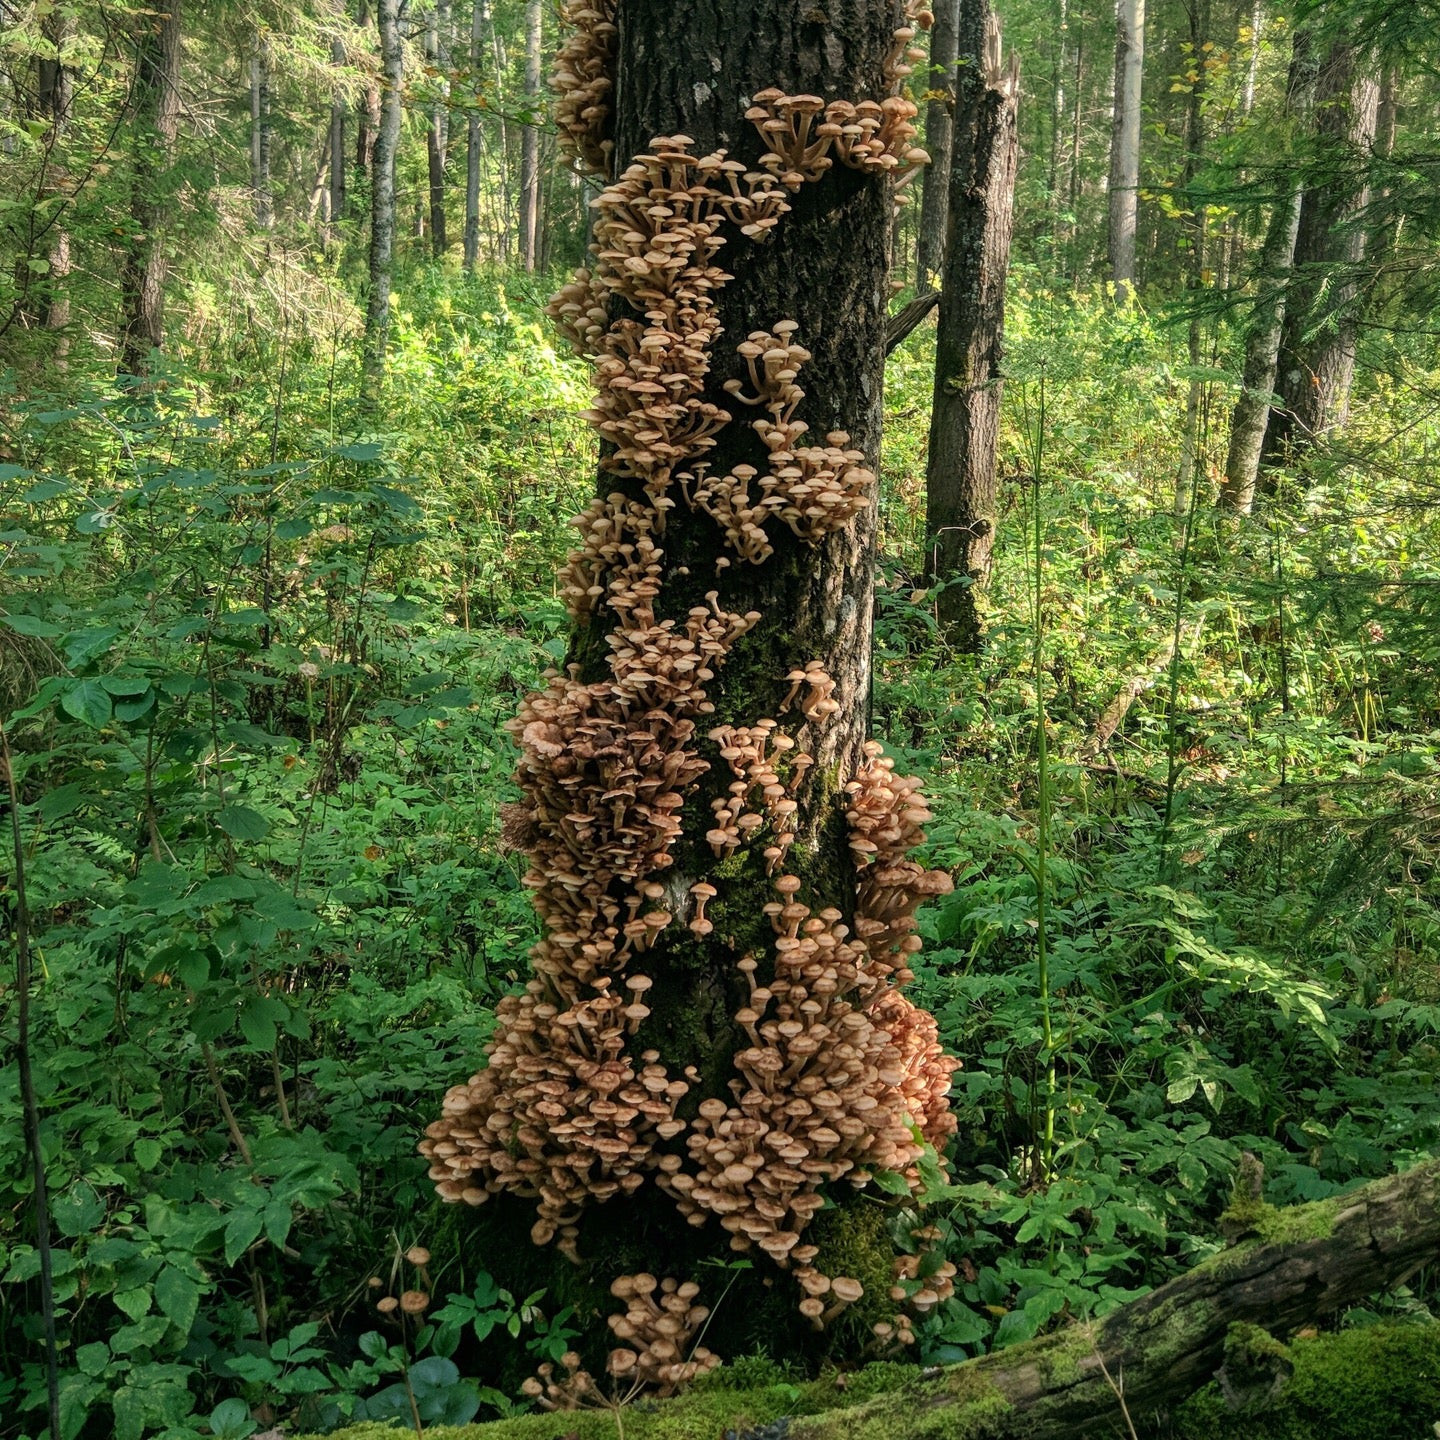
717 1013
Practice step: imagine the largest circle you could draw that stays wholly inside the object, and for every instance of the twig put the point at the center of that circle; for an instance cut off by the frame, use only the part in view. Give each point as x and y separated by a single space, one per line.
1119 1390
236 1134
27 1092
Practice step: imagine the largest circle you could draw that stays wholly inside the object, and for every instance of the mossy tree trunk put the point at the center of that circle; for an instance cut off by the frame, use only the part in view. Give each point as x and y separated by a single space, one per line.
797 600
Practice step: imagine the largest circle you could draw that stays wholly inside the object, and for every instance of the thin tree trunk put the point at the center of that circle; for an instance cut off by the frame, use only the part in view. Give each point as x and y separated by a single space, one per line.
1262 350
260 137
479 18
1125 144
156 98
960 478
382 207
505 195
1317 348
337 143
530 139
435 143
367 117
939 131
1185 478
55 96
1074 181
1057 111
318 205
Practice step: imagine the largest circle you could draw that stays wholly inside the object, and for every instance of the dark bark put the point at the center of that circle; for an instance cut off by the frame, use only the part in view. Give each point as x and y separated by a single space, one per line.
382 200
367 109
156 100
435 138
965 420
1317 348
692 70
1312 1261
479 18
939 131
337 142
55 95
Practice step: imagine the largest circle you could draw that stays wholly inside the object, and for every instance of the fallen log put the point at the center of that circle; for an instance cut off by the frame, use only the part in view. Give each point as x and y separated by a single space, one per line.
1117 1376
1287 1267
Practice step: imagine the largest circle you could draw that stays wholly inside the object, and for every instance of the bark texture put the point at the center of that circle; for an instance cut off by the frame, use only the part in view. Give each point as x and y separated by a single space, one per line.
55 94
1125 143
435 134
530 141
382 199
1262 351
337 141
156 100
939 138
960 476
1317 348
479 18
1304 1264
260 137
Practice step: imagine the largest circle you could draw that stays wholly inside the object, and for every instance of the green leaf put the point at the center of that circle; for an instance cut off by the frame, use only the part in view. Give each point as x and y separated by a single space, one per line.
128 710
93 1358
362 451
125 685
242 823
891 1182
148 1153
178 1297
32 625
259 1018
134 1303
230 1420
242 1230
88 701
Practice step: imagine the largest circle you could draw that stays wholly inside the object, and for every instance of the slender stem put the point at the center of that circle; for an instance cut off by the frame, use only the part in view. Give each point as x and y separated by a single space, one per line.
236 1134
1042 822
28 1098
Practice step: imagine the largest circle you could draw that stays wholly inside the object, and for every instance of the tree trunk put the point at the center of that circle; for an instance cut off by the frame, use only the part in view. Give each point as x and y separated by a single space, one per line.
1317 348
1262 350
939 133
1125 143
628 805
55 95
367 116
260 137
1311 1261
479 18
382 202
530 139
435 141
960 476
337 143
156 100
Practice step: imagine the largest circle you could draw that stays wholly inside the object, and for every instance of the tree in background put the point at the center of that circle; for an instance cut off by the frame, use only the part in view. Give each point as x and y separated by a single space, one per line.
156 112
382 197
939 135
1124 190
961 469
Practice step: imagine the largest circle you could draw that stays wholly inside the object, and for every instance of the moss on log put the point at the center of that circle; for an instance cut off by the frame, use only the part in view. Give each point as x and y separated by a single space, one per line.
1290 1267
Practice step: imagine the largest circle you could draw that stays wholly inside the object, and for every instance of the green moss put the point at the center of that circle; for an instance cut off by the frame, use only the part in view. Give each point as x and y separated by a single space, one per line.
1379 1382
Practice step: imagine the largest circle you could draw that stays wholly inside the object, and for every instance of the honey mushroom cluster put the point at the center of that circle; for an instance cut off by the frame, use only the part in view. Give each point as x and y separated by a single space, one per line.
840 1066
583 84
658 1327
561 1112
814 489
754 753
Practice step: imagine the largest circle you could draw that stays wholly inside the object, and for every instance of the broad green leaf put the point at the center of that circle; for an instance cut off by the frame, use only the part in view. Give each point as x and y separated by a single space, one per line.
88 701
242 1230
240 822
178 1297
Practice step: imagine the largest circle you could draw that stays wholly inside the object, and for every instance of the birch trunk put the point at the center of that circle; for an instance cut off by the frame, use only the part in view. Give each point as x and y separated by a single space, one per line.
337 142
55 96
530 140
260 137
479 17
382 204
435 139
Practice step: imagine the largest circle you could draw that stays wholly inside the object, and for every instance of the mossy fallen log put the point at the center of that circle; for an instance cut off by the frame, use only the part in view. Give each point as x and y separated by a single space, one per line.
1284 1269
